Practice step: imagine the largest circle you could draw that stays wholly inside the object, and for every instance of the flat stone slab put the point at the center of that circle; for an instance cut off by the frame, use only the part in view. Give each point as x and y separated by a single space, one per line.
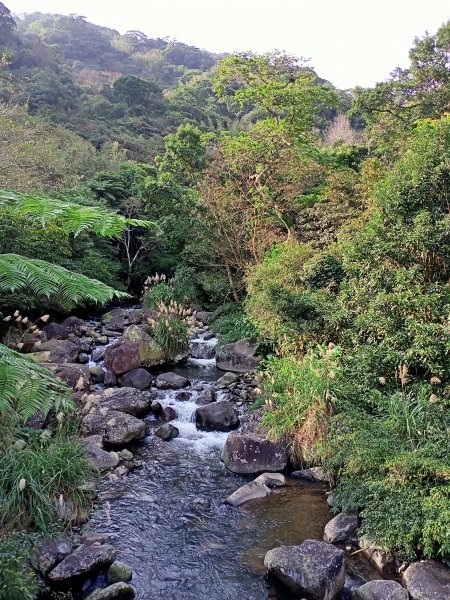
83 560
171 381
314 569
427 580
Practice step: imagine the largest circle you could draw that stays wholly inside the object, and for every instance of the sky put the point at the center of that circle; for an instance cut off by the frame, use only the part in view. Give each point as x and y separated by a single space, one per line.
348 42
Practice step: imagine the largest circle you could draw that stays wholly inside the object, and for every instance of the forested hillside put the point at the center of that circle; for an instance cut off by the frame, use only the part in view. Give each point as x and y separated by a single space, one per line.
314 219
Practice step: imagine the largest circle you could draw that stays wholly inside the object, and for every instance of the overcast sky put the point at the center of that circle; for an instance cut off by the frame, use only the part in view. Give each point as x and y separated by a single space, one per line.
349 42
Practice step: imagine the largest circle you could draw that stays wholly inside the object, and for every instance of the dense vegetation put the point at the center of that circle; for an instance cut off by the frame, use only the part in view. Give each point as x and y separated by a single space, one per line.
314 218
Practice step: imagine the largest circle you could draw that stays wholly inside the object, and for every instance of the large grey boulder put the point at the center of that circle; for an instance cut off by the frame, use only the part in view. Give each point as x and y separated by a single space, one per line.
75 375
116 428
167 432
217 416
240 357
251 453
122 357
427 580
140 379
128 400
57 351
171 381
259 488
50 552
83 560
341 528
313 569
380 589
116 591
227 379
100 459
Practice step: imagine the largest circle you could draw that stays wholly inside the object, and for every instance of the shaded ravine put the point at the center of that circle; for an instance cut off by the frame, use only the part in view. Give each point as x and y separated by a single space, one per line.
169 523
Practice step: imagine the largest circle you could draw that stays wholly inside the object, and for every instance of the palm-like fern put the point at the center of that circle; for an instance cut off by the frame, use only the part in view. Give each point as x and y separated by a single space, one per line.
26 387
73 218
52 281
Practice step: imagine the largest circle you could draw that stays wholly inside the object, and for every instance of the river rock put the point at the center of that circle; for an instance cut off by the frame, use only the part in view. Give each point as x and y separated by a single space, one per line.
100 459
82 561
116 591
171 381
135 317
183 396
167 432
156 408
122 357
119 571
341 528
271 479
75 376
76 325
227 379
115 427
51 552
202 351
380 589
205 396
314 569
56 331
313 474
217 416
249 491
110 379
128 400
428 580
137 378
251 453
241 357
169 414
83 358
97 374
57 351
150 353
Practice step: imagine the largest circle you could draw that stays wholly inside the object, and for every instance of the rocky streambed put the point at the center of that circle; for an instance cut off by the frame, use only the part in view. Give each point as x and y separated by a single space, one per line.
182 510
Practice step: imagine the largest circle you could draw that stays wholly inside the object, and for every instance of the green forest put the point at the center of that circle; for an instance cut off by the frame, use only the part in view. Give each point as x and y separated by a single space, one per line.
314 219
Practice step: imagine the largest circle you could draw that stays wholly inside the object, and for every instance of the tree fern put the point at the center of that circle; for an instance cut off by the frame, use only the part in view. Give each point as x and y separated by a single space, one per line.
52 281
73 218
26 387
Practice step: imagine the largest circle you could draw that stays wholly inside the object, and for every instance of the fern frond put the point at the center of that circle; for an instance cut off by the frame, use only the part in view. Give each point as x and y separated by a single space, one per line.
52 281
27 388
73 218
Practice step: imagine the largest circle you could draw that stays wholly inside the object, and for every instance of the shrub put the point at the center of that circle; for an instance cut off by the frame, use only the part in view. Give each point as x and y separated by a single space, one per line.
231 323
159 293
172 334
18 580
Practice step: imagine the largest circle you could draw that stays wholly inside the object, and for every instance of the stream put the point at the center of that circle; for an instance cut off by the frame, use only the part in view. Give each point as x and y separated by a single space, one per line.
168 521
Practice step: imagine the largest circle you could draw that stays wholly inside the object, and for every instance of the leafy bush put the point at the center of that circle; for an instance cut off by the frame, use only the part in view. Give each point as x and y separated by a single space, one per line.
157 294
18 580
231 323
185 288
172 335
35 479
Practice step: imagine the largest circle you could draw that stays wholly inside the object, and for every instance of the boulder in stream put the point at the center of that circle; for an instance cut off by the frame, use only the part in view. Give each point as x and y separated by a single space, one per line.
82 561
171 381
314 569
140 379
128 400
251 453
380 589
217 416
119 571
50 552
202 350
169 414
342 527
427 580
240 357
116 428
57 351
167 432
116 591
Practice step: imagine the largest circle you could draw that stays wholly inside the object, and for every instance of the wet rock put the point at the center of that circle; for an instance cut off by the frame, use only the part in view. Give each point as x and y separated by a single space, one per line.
241 357
183 396
227 379
313 474
128 400
119 571
83 343
102 340
116 591
83 358
341 528
171 381
169 414
56 331
97 374
75 376
217 416
167 432
110 379
251 453
82 561
380 589
205 397
427 580
98 354
115 324
136 316
115 427
209 335
313 569
51 552
100 459
125 454
122 357
57 351
271 479
150 353
249 491
380 558
75 324
156 408
202 351
137 378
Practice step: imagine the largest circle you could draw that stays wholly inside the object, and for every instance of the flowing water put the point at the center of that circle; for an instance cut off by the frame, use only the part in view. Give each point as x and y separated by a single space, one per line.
170 525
